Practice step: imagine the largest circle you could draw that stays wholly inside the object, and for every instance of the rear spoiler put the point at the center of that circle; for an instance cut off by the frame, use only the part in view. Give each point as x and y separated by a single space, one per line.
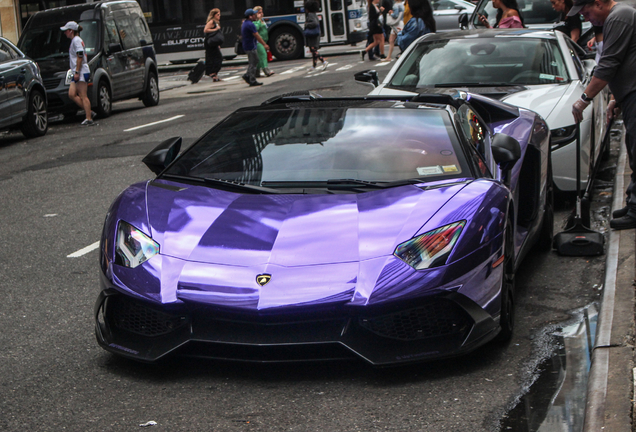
488 108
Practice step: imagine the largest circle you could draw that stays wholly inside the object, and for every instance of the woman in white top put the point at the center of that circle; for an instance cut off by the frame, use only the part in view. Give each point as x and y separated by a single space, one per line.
81 72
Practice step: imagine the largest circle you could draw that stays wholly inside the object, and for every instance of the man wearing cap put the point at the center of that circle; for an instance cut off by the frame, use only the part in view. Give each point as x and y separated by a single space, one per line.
250 37
616 67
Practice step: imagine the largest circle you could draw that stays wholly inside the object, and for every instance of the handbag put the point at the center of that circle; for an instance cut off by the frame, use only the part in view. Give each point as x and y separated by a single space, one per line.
390 21
238 46
311 32
215 39
269 56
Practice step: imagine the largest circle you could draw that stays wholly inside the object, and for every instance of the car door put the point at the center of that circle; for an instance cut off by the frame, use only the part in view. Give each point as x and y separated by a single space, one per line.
21 76
5 110
9 73
132 55
115 58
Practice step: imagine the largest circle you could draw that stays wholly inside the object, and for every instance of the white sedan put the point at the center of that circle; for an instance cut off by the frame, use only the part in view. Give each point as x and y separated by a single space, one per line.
539 70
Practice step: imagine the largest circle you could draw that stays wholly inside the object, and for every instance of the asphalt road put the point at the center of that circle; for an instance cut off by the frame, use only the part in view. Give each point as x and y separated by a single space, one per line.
54 194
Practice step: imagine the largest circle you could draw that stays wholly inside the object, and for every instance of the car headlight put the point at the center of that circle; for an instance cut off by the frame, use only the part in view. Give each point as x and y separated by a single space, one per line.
132 247
562 136
430 249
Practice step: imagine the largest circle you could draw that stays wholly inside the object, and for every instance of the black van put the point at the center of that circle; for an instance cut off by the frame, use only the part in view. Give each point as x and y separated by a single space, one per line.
119 49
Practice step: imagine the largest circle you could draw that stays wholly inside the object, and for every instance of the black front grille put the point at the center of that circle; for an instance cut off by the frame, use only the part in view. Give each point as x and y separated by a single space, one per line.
138 318
51 83
439 318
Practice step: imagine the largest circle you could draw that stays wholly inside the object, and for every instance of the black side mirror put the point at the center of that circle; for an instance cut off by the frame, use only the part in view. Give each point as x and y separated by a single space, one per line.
460 7
506 151
368 77
462 21
144 42
163 155
114 48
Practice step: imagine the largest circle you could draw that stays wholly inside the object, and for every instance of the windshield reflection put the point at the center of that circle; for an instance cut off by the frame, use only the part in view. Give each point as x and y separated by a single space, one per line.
493 61
48 43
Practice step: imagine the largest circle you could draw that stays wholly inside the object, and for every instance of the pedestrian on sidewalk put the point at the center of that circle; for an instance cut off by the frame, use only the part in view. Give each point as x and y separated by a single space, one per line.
250 38
213 55
394 21
312 33
615 68
261 27
375 28
421 22
78 63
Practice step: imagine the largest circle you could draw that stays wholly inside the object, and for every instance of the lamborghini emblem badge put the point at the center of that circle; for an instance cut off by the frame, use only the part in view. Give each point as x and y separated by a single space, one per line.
263 279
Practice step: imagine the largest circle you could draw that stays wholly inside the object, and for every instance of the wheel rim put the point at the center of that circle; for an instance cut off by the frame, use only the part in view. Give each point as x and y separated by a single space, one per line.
104 98
286 43
39 112
154 88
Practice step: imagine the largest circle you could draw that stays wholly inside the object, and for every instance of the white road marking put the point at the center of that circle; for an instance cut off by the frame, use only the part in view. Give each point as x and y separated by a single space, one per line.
153 123
84 251
231 78
379 64
345 67
292 70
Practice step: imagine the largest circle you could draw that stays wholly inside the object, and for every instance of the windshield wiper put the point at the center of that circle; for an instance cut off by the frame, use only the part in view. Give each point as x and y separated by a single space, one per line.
478 84
243 187
224 184
355 183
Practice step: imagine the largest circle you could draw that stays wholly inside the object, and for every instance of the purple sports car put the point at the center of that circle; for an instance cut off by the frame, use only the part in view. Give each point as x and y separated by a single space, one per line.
308 228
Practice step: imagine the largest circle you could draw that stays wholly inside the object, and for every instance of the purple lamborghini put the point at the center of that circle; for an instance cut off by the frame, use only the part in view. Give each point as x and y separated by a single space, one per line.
308 228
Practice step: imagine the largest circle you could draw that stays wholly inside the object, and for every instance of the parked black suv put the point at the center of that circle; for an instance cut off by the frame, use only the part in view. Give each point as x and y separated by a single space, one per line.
22 94
119 49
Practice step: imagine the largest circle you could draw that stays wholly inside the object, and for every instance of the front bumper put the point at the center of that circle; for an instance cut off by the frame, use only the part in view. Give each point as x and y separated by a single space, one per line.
431 328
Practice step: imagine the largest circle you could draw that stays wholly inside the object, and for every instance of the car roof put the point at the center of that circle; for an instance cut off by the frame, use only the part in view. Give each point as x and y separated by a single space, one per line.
490 33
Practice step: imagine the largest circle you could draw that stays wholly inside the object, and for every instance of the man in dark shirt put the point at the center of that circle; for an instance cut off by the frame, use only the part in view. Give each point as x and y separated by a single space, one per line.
615 68
249 39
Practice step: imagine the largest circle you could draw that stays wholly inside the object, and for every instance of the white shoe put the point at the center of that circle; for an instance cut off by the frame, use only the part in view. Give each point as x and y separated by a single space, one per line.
325 64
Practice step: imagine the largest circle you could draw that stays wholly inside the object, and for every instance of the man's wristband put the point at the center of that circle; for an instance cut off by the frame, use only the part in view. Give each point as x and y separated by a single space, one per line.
585 98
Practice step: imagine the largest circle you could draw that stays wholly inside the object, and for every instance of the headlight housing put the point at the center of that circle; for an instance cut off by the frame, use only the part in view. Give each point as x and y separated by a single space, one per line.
562 136
132 247
430 249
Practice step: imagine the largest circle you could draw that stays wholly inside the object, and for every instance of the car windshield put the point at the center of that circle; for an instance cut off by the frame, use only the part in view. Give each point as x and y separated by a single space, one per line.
313 145
482 62
49 42
532 11
452 5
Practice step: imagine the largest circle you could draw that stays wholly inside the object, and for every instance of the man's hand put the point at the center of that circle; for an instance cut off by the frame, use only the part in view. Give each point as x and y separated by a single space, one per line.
612 111
577 110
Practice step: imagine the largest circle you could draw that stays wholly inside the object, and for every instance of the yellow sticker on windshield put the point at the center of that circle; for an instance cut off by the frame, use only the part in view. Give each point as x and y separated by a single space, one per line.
450 168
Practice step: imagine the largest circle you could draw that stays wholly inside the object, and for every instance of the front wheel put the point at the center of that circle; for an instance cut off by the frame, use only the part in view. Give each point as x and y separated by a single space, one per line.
104 100
151 95
286 43
36 121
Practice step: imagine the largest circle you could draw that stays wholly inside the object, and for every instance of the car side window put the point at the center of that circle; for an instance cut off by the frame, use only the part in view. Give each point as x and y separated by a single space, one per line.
112 35
5 54
478 137
578 64
127 30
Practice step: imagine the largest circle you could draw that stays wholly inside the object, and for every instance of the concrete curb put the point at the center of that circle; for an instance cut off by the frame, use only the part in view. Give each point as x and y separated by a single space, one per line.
609 390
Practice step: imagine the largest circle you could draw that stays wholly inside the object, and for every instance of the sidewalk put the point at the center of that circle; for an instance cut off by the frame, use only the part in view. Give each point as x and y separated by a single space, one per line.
610 390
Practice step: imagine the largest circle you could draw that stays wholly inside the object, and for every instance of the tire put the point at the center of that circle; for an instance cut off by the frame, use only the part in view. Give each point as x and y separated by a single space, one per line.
507 315
151 94
36 121
286 43
104 106
545 241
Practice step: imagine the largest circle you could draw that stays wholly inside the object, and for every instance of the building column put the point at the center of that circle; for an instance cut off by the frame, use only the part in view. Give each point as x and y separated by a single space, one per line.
9 24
